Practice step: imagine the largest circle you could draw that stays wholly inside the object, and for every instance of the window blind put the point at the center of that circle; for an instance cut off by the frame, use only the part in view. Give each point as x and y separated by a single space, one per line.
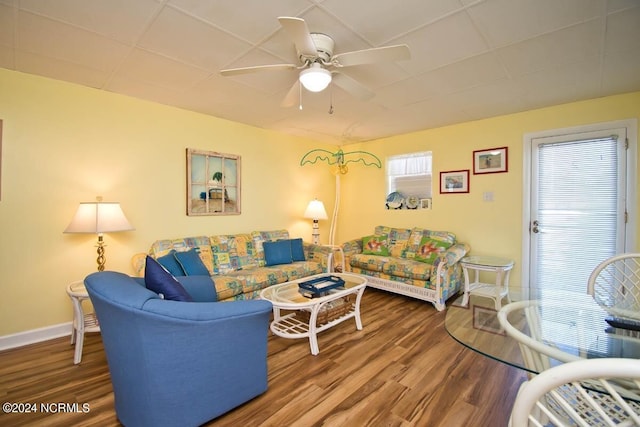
577 210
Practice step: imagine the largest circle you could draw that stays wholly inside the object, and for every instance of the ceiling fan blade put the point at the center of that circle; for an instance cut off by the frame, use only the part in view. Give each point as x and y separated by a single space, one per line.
352 86
368 56
245 70
299 32
293 96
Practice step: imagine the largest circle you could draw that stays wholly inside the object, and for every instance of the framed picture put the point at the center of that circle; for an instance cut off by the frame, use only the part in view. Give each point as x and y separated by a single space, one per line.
425 203
213 183
454 182
493 160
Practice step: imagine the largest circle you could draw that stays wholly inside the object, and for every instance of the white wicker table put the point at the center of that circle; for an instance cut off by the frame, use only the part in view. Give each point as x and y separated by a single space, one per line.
305 321
497 290
82 322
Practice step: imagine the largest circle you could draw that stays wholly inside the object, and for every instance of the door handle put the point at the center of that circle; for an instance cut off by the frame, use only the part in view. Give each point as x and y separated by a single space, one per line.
534 228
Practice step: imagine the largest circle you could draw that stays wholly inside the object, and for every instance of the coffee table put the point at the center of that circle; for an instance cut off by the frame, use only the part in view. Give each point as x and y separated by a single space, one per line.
306 317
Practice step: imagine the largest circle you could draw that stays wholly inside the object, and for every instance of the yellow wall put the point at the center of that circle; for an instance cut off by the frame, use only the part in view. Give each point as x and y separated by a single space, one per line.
63 144
489 227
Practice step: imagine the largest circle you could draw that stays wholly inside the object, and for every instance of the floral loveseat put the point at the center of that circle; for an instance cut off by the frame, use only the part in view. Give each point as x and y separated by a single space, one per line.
238 263
416 262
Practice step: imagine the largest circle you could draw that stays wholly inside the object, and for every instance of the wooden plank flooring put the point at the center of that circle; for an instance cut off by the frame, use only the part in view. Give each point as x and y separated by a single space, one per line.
402 369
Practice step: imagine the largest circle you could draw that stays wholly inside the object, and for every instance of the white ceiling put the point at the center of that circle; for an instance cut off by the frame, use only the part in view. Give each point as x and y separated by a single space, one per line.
471 59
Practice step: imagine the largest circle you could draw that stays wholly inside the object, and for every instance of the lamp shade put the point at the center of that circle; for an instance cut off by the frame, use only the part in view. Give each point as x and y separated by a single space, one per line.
97 218
315 78
315 210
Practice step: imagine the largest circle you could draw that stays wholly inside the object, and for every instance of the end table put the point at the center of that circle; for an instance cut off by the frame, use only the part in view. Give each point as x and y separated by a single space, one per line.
496 291
82 322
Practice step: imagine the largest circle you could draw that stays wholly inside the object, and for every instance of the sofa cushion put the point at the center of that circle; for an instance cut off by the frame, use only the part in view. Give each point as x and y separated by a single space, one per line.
300 269
258 278
160 281
233 252
407 268
429 249
375 245
171 264
369 262
297 250
191 263
227 287
278 252
397 238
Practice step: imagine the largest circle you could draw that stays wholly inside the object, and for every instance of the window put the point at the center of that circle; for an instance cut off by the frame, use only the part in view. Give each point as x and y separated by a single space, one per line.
410 175
213 183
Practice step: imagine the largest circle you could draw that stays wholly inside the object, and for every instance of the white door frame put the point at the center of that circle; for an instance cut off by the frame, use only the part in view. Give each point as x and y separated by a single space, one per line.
632 179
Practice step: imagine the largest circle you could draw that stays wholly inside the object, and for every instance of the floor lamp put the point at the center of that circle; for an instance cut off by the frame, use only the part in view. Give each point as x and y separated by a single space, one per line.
98 218
340 160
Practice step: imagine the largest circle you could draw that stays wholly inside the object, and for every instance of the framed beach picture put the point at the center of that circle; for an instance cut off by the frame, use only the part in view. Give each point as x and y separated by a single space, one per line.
454 182
492 160
213 183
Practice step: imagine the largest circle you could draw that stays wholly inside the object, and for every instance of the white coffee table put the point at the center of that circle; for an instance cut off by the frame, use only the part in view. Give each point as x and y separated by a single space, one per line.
286 296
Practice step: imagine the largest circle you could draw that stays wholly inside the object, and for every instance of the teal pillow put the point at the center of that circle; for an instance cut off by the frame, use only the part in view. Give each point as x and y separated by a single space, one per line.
172 265
160 281
278 252
191 263
297 250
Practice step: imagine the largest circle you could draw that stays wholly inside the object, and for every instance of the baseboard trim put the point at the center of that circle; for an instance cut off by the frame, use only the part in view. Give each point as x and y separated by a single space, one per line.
34 336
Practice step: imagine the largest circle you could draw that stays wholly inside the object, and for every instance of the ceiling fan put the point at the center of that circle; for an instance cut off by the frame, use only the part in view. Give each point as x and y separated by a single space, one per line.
319 66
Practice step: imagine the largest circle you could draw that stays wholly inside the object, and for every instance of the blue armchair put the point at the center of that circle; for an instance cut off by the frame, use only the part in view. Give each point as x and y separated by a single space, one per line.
179 363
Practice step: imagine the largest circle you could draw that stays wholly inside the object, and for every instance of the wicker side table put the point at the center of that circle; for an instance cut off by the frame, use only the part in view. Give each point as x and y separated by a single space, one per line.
82 322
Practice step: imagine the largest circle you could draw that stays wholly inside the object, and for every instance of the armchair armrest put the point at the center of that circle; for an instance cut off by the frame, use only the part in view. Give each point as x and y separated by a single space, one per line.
352 247
317 253
349 249
455 253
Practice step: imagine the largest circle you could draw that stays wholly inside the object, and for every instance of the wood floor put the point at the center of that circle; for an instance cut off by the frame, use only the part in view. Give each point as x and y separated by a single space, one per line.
402 369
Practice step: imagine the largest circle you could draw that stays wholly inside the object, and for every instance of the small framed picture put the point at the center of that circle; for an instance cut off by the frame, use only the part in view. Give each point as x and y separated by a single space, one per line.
493 160
425 203
454 181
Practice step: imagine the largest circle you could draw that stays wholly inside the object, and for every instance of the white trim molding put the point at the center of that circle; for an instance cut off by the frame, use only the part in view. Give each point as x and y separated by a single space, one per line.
35 336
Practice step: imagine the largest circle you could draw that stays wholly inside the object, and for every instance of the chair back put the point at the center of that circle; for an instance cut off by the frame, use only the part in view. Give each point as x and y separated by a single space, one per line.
589 392
615 285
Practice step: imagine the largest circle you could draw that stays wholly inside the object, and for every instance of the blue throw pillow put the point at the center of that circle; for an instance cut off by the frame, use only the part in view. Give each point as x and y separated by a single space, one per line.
297 250
171 264
160 281
191 263
278 252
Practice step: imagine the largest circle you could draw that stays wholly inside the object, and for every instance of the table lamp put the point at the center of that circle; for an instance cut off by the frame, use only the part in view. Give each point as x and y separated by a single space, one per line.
98 218
315 211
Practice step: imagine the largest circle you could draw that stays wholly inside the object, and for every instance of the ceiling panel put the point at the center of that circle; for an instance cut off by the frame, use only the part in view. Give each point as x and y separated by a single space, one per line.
470 59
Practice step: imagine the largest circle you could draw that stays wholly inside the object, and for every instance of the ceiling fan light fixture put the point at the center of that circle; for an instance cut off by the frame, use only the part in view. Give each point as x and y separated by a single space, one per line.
315 78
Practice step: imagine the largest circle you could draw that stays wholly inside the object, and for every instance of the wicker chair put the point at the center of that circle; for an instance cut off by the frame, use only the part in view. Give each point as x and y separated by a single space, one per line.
591 392
615 285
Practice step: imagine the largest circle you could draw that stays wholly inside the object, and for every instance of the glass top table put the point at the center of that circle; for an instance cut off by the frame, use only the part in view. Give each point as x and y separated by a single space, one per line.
572 324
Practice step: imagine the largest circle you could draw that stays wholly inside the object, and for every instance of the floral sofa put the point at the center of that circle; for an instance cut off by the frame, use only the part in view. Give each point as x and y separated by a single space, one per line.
238 263
416 262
